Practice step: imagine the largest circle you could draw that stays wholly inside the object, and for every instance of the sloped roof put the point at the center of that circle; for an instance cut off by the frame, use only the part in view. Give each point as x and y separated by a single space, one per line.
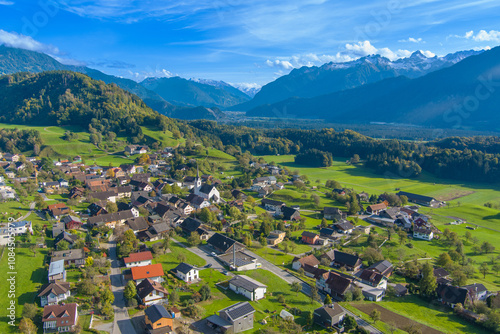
147 286
238 310
60 313
310 260
381 266
138 223
371 276
149 271
246 283
346 258
452 294
221 242
138 257
157 312
184 268
55 288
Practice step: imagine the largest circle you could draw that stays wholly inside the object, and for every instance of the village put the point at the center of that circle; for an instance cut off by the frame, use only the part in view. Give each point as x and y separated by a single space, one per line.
108 229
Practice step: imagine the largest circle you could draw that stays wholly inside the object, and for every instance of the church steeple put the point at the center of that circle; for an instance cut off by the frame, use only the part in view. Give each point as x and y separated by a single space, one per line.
197 181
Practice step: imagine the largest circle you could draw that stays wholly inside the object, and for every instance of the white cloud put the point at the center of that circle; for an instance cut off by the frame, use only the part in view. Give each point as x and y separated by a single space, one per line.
362 48
469 34
484 36
6 3
412 40
69 61
246 85
284 64
149 73
428 54
16 40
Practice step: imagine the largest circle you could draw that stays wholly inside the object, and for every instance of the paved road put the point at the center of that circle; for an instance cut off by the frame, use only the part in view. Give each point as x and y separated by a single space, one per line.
32 206
364 323
121 323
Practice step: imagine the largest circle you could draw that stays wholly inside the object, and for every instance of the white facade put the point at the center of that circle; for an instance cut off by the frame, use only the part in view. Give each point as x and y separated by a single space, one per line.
155 297
190 276
259 293
52 298
424 236
138 263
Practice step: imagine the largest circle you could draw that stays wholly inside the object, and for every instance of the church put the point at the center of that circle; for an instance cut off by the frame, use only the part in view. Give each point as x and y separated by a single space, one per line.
207 191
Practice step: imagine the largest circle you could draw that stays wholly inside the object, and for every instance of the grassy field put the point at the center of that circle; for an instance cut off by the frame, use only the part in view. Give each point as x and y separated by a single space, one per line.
30 275
438 317
170 260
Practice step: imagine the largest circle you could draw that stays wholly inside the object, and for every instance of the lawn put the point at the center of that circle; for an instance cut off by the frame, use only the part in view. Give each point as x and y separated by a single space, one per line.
171 260
30 275
439 317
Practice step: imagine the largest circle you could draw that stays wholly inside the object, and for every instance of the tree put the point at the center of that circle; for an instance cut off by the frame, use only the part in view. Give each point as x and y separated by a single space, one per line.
487 247
130 291
428 283
316 199
281 299
173 297
324 222
402 237
29 311
372 255
296 287
27 326
375 315
194 239
357 294
349 323
313 294
205 292
444 260
484 269
328 300
107 311
63 245
111 207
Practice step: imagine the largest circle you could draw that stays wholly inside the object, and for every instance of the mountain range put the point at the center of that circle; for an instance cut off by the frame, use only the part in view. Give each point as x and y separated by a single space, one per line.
332 77
198 94
464 95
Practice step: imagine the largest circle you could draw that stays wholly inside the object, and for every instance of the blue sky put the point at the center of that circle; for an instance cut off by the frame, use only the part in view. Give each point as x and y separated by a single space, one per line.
240 41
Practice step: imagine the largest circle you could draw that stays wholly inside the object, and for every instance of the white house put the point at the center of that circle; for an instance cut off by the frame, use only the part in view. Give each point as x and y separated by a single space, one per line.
53 293
248 287
150 292
57 271
207 191
20 227
186 272
138 259
423 233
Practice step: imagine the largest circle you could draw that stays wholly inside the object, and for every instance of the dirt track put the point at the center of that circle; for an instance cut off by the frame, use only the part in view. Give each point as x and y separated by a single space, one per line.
397 320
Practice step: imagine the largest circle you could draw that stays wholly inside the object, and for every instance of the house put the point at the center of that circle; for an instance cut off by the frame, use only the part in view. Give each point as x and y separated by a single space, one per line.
20 227
310 238
155 232
57 273
138 259
327 233
452 295
150 292
373 294
76 192
151 271
239 261
400 290
186 272
57 229
71 222
238 194
110 219
329 315
344 227
190 225
197 202
236 318
65 236
340 259
290 213
423 233
442 276
248 287
158 320
53 293
333 213
136 149
477 291
334 284
60 318
275 237
63 183
74 257
59 209
137 224
374 209
373 279
383 267
421 200
96 209
309 260
222 244
272 205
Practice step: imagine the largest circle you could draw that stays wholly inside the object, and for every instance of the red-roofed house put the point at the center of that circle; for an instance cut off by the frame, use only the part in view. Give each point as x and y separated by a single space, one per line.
152 271
138 259
60 318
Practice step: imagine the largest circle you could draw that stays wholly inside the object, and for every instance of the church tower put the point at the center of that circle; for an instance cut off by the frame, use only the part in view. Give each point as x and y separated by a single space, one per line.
197 181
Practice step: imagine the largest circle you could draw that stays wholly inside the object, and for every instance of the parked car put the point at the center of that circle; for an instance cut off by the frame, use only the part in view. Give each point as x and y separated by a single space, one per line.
225 272
208 265
213 254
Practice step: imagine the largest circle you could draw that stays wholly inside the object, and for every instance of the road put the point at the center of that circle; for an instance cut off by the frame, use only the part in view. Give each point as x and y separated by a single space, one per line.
364 323
121 323
32 206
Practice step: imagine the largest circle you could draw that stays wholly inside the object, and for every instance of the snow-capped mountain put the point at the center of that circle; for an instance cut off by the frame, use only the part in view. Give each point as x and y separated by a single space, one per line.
332 77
